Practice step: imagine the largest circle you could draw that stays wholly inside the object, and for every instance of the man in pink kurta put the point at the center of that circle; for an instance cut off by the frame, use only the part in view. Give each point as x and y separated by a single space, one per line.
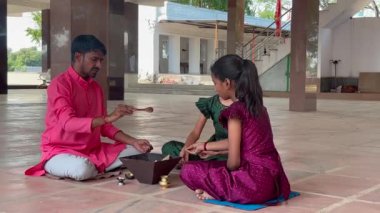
76 119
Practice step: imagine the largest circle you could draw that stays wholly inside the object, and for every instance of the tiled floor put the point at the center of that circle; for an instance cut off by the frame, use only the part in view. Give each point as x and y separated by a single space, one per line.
331 156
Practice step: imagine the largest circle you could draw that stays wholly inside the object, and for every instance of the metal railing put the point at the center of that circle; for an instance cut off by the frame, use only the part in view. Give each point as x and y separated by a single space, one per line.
255 48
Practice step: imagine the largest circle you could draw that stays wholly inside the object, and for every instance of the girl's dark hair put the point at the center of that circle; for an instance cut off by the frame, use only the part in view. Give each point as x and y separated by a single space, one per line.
85 44
244 74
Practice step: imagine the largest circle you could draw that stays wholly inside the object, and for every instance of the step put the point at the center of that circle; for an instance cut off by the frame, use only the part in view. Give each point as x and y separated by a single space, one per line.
204 90
209 92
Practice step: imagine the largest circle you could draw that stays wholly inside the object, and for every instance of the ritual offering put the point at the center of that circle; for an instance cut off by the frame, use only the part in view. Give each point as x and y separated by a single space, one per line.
149 167
164 182
129 175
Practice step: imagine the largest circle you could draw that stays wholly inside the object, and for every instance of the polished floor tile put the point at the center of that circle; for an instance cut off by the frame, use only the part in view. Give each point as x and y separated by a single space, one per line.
334 185
148 205
76 200
355 207
331 156
372 196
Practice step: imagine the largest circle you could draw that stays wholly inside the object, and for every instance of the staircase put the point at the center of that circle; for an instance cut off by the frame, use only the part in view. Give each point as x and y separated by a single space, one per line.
266 50
269 53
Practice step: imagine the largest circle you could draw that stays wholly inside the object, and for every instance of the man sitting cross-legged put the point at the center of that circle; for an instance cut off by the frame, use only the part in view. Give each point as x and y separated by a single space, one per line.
76 118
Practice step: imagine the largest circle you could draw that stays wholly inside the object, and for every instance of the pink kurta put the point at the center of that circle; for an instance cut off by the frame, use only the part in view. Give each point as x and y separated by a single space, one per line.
72 105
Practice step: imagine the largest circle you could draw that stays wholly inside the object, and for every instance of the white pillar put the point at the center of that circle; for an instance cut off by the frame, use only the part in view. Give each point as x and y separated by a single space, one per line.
147 44
174 54
211 56
194 56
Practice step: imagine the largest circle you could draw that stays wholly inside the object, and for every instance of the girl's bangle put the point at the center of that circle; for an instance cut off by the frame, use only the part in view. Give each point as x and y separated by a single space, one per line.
204 146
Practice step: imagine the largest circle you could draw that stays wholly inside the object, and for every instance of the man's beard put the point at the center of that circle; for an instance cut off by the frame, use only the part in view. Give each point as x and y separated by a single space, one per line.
93 72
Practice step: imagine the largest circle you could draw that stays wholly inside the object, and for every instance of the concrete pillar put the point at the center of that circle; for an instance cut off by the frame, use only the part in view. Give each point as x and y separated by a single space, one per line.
235 26
46 62
131 12
304 56
148 44
3 48
174 54
211 54
116 52
194 56
61 35
79 18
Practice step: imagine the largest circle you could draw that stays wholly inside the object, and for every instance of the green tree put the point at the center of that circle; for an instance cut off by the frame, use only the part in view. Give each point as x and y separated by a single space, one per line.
18 61
257 8
36 33
267 8
262 8
210 4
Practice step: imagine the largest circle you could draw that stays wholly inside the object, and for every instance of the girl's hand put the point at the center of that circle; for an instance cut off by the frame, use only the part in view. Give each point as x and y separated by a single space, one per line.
207 154
184 155
195 149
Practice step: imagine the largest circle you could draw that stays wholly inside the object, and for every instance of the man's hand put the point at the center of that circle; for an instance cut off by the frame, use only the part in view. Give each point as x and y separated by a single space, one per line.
142 145
119 112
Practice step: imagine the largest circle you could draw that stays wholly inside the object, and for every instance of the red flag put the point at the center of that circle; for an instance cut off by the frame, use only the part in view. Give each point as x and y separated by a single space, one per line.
277 18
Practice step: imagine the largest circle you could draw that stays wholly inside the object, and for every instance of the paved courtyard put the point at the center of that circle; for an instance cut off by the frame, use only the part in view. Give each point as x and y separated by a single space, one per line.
331 156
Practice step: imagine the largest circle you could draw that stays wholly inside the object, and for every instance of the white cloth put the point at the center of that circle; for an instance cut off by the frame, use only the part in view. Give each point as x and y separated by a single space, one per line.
80 168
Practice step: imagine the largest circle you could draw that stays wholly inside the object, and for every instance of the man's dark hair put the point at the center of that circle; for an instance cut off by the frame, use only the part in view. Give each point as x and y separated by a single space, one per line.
85 44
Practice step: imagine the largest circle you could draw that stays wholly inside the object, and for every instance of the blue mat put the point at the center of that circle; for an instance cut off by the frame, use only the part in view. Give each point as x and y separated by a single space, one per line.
251 207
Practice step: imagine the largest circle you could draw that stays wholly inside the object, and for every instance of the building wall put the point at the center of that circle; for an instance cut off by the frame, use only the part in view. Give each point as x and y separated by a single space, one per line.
357 44
325 52
189 31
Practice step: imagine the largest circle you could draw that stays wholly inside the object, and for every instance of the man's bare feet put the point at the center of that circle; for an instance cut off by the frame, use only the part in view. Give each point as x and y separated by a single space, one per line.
202 195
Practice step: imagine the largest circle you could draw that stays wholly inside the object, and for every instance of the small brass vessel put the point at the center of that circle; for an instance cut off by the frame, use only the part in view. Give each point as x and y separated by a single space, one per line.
164 182
129 175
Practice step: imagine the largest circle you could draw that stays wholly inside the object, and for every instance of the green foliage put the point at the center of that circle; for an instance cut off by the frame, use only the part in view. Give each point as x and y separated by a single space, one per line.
36 33
210 4
18 61
267 8
257 8
268 14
